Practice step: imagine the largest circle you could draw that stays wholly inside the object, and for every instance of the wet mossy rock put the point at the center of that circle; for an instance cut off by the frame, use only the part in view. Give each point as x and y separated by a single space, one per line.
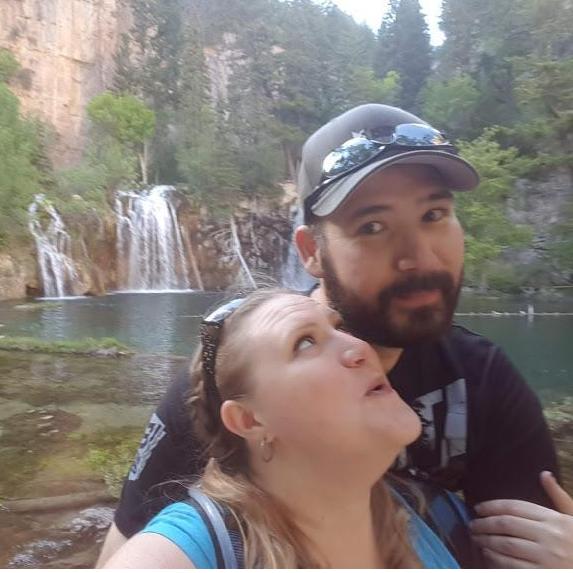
559 417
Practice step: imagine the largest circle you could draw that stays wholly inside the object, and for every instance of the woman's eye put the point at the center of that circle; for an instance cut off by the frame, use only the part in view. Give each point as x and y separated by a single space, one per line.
303 343
371 228
435 215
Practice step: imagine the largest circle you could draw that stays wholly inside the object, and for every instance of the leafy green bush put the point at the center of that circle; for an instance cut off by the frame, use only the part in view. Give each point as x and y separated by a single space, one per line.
483 211
505 278
8 65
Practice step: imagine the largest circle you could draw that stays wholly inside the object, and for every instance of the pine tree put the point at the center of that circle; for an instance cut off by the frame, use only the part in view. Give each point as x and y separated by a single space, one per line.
203 155
148 66
404 47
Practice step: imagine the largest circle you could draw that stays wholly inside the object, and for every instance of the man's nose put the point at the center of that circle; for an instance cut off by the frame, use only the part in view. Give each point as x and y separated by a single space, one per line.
413 252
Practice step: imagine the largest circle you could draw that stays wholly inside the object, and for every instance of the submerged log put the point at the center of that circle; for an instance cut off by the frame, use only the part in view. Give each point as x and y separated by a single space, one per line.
58 502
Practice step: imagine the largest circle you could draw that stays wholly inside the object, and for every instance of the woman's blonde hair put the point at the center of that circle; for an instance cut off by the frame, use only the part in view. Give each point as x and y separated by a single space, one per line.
270 534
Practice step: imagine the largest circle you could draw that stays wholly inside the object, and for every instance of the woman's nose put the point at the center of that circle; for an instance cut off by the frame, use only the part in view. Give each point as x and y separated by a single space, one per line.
356 352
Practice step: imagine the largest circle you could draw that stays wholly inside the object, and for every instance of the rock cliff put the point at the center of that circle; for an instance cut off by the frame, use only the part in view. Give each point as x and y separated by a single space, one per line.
66 50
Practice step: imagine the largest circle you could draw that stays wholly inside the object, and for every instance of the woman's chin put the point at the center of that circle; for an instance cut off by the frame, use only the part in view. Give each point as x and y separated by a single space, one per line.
406 427
414 427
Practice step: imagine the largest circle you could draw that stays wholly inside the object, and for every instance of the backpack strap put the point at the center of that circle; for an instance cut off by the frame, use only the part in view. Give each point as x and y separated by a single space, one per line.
213 519
447 515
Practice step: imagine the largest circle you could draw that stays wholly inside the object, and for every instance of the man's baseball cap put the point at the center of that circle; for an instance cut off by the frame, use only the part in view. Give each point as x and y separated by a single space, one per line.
321 194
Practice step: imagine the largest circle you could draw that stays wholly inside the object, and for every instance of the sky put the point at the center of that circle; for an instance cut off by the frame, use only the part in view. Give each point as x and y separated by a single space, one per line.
371 12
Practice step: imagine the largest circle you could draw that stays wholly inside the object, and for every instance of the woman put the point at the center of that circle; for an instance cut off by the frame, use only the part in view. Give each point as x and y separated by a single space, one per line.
301 424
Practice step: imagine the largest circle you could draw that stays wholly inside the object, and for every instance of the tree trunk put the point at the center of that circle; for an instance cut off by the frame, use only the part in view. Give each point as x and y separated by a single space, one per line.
143 159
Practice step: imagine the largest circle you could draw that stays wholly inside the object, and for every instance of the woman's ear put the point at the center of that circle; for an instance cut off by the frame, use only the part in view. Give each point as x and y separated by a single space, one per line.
240 419
308 250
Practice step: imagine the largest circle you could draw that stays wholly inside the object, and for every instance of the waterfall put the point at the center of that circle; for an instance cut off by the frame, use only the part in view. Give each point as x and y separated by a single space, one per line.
54 248
150 247
239 253
293 274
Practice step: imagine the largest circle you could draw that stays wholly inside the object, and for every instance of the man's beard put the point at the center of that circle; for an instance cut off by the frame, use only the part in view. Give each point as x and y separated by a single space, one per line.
378 324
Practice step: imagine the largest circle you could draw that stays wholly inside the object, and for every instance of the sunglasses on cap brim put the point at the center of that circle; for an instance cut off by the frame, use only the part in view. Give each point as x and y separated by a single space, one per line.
361 150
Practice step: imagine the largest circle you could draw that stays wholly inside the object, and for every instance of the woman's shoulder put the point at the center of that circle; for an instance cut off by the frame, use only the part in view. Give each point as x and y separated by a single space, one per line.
182 524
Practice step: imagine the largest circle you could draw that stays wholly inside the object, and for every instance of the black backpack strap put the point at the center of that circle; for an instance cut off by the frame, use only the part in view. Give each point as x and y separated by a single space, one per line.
225 548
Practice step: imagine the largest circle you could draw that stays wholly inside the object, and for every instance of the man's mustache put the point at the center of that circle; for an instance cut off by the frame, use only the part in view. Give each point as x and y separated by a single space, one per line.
439 280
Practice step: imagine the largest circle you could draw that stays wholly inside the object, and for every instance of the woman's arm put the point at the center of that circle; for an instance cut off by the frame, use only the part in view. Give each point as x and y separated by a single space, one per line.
149 551
111 545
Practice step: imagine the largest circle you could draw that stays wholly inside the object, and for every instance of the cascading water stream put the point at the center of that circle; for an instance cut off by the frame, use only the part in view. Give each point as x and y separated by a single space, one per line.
293 274
150 247
54 249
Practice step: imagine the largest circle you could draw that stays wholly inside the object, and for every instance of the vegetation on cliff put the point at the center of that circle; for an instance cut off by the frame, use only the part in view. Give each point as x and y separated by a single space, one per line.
226 91
20 154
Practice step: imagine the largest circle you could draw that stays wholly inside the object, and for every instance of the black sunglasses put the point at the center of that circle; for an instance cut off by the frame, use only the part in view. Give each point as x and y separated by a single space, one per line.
211 327
361 150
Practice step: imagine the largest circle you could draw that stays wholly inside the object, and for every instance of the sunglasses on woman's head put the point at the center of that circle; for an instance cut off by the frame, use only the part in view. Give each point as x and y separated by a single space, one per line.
211 327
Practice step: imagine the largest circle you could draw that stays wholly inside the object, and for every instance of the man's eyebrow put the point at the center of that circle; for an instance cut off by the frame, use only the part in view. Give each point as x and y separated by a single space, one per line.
437 195
369 210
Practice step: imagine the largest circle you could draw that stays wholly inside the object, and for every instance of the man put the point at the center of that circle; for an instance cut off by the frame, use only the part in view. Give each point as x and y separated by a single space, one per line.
382 237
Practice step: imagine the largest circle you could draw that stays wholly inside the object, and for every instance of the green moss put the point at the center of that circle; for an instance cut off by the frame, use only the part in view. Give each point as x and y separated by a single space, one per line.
90 346
110 455
38 306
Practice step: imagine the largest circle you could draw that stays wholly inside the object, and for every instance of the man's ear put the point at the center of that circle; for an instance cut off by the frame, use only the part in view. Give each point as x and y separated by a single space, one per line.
308 251
240 419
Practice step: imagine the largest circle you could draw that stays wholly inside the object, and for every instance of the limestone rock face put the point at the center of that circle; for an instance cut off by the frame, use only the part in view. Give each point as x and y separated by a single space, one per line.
66 51
17 275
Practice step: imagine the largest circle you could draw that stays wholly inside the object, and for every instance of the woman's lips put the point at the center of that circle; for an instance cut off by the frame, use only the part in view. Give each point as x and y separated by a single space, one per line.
418 298
379 387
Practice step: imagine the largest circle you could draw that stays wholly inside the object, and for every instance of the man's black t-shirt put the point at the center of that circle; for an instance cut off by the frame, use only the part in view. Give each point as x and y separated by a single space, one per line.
483 430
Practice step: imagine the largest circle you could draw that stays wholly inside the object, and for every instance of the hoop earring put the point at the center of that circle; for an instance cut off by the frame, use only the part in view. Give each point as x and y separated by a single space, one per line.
266 449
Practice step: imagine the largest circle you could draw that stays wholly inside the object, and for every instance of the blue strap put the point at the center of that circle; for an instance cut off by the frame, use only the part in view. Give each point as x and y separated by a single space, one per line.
431 551
218 528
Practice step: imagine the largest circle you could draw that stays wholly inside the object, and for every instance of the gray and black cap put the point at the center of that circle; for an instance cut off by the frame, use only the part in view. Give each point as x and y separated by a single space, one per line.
458 174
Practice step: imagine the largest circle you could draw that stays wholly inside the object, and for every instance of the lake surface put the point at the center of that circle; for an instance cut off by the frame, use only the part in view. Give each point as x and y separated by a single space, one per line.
168 323
54 410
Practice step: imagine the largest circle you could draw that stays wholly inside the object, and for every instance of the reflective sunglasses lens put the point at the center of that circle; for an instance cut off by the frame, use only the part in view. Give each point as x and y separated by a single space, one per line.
353 152
416 134
221 313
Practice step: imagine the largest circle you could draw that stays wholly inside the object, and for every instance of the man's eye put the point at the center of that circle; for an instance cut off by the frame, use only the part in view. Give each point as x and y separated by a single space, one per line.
435 215
303 343
371 228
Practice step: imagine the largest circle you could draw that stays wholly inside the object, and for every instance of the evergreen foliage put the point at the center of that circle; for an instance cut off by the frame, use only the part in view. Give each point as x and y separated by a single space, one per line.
452 104
404 47
488 231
